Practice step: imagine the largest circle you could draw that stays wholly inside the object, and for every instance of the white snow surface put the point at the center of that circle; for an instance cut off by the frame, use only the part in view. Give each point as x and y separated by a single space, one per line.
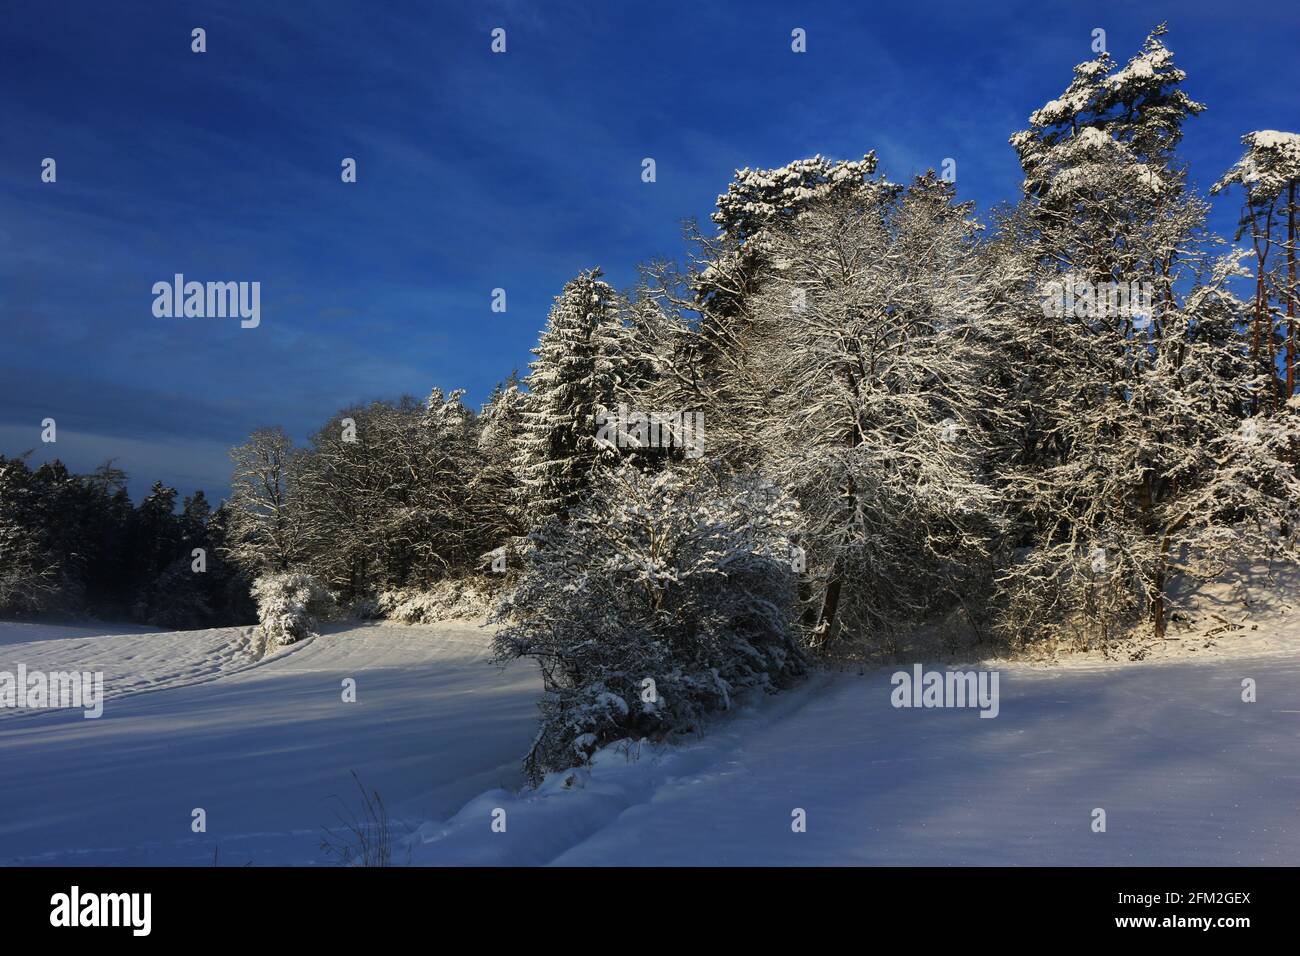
265 747
1186 771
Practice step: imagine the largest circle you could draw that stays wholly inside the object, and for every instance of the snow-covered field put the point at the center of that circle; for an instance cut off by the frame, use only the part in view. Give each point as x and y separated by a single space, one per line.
264 747
1186 771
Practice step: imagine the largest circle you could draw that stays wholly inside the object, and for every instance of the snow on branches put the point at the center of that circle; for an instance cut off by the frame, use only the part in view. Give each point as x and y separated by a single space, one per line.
654 603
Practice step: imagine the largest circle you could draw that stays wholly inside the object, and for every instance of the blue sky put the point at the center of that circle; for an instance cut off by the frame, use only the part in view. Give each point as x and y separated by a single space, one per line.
476 171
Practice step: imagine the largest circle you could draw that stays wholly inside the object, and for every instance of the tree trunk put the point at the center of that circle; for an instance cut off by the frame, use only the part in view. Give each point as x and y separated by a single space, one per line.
805 598
831 603
1261 258
1290 290
1158 606
829 606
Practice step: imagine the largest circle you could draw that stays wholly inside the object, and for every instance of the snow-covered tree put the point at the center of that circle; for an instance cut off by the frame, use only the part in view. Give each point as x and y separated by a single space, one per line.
1137 111
1268 174
457 482
388 495
501 418
500 430
29 578
265 530
1123 375
731 267
757 199
571 381
862 340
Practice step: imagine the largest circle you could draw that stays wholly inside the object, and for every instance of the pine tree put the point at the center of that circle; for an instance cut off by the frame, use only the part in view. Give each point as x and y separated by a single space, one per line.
1269 173
500 430
29 572
156 544
572 380
1124 402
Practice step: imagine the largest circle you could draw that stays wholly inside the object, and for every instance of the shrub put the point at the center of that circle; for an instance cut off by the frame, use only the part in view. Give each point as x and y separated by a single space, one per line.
654 604
447 600
290 606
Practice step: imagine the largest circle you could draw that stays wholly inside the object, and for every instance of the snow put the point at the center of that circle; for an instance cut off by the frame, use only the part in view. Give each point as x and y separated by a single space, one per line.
1186 771
1273 139
265 747
1272 160
1059 110
1092 138
138 659
1139 69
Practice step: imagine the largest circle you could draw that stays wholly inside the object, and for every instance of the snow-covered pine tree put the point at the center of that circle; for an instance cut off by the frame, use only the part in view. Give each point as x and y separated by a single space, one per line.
1126 378
1269 173
571 381
455 494
29 572
500 430
1141 108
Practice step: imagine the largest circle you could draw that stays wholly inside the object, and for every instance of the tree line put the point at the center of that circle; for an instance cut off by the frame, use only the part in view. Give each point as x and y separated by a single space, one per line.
75 545
1042 423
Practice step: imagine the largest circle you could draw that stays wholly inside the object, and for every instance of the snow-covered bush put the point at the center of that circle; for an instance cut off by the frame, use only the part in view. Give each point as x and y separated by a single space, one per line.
452 599
364 609
290 606
660 598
